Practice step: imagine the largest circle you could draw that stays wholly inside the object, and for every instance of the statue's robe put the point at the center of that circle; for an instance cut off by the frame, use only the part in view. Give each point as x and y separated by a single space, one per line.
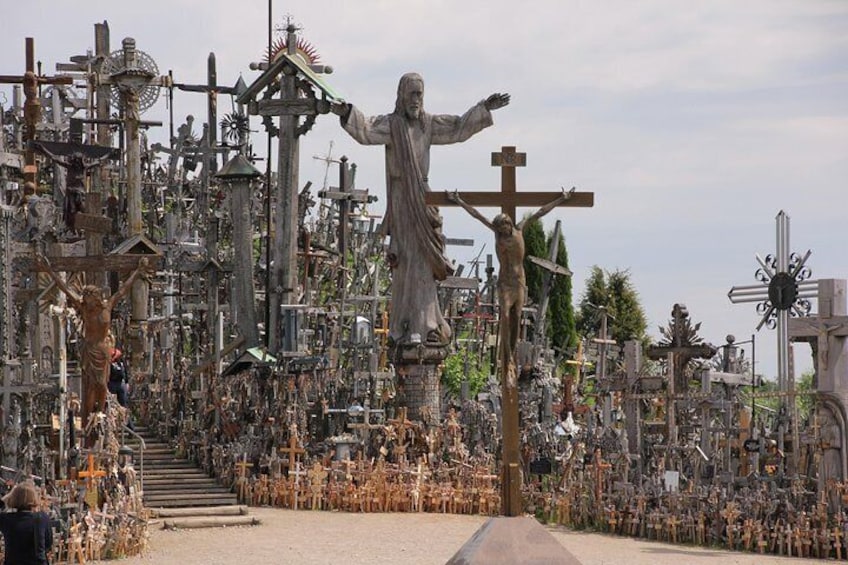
416 249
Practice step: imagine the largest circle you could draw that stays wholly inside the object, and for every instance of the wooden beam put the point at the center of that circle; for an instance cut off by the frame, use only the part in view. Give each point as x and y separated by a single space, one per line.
304 107
93 222
517 199
113 263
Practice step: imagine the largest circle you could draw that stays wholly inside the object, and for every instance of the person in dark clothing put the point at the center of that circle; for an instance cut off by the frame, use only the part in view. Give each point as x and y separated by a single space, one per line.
118 377
27 533
118 383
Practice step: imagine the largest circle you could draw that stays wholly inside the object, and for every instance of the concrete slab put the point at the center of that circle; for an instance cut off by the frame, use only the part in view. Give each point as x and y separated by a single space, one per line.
504 540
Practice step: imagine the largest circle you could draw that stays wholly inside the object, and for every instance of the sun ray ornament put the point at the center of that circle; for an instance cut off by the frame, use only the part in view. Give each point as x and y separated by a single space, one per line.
784 290
310 57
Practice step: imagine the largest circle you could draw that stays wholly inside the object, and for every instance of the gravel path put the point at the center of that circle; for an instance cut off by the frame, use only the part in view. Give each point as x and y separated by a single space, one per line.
312 538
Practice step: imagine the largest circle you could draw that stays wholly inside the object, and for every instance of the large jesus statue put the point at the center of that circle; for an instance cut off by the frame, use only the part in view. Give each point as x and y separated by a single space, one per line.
416 250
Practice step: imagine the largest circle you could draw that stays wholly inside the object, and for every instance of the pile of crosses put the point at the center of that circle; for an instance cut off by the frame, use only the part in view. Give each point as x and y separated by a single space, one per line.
369 486
97 511
762 521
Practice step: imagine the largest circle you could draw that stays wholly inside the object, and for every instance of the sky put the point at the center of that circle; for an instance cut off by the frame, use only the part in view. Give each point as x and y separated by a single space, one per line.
693 123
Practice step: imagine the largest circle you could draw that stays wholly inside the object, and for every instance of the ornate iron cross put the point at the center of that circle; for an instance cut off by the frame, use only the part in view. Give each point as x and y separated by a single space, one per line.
785 289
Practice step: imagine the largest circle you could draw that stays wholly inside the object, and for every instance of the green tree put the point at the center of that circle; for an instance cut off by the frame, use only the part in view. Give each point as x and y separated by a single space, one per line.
534 244
464 365
613 291
561 329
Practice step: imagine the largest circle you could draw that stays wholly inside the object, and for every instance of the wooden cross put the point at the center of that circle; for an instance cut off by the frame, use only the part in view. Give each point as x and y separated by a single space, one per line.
383 333
32 103
578 363
296 487
292 451
212 90
401 424
93 472
243 466
297 108
837 542
508 199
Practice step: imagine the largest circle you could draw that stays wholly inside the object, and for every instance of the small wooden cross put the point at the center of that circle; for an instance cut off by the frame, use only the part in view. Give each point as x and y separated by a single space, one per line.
243 466
293 450
297 472
93 472
837 542
401 424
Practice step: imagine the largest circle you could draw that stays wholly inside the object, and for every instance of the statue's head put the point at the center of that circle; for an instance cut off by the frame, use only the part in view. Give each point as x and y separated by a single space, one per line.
92 295
410 96
503 224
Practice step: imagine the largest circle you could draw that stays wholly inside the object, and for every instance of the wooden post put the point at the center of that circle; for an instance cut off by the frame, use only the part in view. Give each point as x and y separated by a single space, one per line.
32 104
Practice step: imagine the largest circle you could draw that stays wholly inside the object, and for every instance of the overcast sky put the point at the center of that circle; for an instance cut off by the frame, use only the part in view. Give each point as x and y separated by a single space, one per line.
694 123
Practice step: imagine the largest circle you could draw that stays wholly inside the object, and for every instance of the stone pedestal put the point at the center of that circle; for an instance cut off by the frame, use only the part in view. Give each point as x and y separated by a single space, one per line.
420 391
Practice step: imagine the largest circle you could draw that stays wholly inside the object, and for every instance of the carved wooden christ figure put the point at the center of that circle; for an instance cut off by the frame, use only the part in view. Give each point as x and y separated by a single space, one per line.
512 283
416 251
95 310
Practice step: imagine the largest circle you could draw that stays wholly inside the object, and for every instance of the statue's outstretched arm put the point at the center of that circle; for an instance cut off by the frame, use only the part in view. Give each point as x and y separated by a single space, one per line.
547 207
455 197
43 263
125 287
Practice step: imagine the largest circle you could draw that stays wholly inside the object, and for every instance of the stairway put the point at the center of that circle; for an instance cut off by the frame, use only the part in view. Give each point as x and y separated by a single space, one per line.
170 482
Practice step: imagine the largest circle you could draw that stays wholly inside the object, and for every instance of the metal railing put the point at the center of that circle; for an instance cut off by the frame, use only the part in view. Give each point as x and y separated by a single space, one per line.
143 446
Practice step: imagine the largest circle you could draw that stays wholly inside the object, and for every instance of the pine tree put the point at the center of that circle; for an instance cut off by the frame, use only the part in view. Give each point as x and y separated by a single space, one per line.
616 293
534 244
561 329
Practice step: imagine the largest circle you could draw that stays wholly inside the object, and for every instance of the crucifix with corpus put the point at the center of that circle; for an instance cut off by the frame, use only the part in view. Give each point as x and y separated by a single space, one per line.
511 289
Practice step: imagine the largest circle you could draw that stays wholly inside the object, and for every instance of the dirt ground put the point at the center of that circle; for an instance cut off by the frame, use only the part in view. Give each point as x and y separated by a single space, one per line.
312 538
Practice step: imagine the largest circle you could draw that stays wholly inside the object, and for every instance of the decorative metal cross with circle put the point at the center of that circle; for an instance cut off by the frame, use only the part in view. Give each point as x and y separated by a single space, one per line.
785 285
785 289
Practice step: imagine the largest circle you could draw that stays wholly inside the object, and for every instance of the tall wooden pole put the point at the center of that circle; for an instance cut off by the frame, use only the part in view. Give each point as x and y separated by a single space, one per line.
284 269
94 241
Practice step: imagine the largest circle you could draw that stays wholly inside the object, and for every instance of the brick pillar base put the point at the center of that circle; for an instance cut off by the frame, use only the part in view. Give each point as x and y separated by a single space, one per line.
420 391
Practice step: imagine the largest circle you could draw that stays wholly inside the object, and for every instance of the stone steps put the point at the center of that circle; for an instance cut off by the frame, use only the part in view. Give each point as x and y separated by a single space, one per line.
174 482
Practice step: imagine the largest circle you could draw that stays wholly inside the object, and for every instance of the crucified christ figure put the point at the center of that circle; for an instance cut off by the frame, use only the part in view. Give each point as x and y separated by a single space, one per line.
77 159
512 284
95 310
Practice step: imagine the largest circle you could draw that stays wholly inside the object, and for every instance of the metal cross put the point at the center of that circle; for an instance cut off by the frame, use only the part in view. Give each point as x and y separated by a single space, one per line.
785 289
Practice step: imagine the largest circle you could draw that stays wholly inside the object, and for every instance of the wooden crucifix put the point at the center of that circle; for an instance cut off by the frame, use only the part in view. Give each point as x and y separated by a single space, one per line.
95 310
78 158
32 104
212 91
509 244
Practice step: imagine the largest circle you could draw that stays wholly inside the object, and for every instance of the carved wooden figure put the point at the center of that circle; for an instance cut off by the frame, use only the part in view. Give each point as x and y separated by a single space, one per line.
95 310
